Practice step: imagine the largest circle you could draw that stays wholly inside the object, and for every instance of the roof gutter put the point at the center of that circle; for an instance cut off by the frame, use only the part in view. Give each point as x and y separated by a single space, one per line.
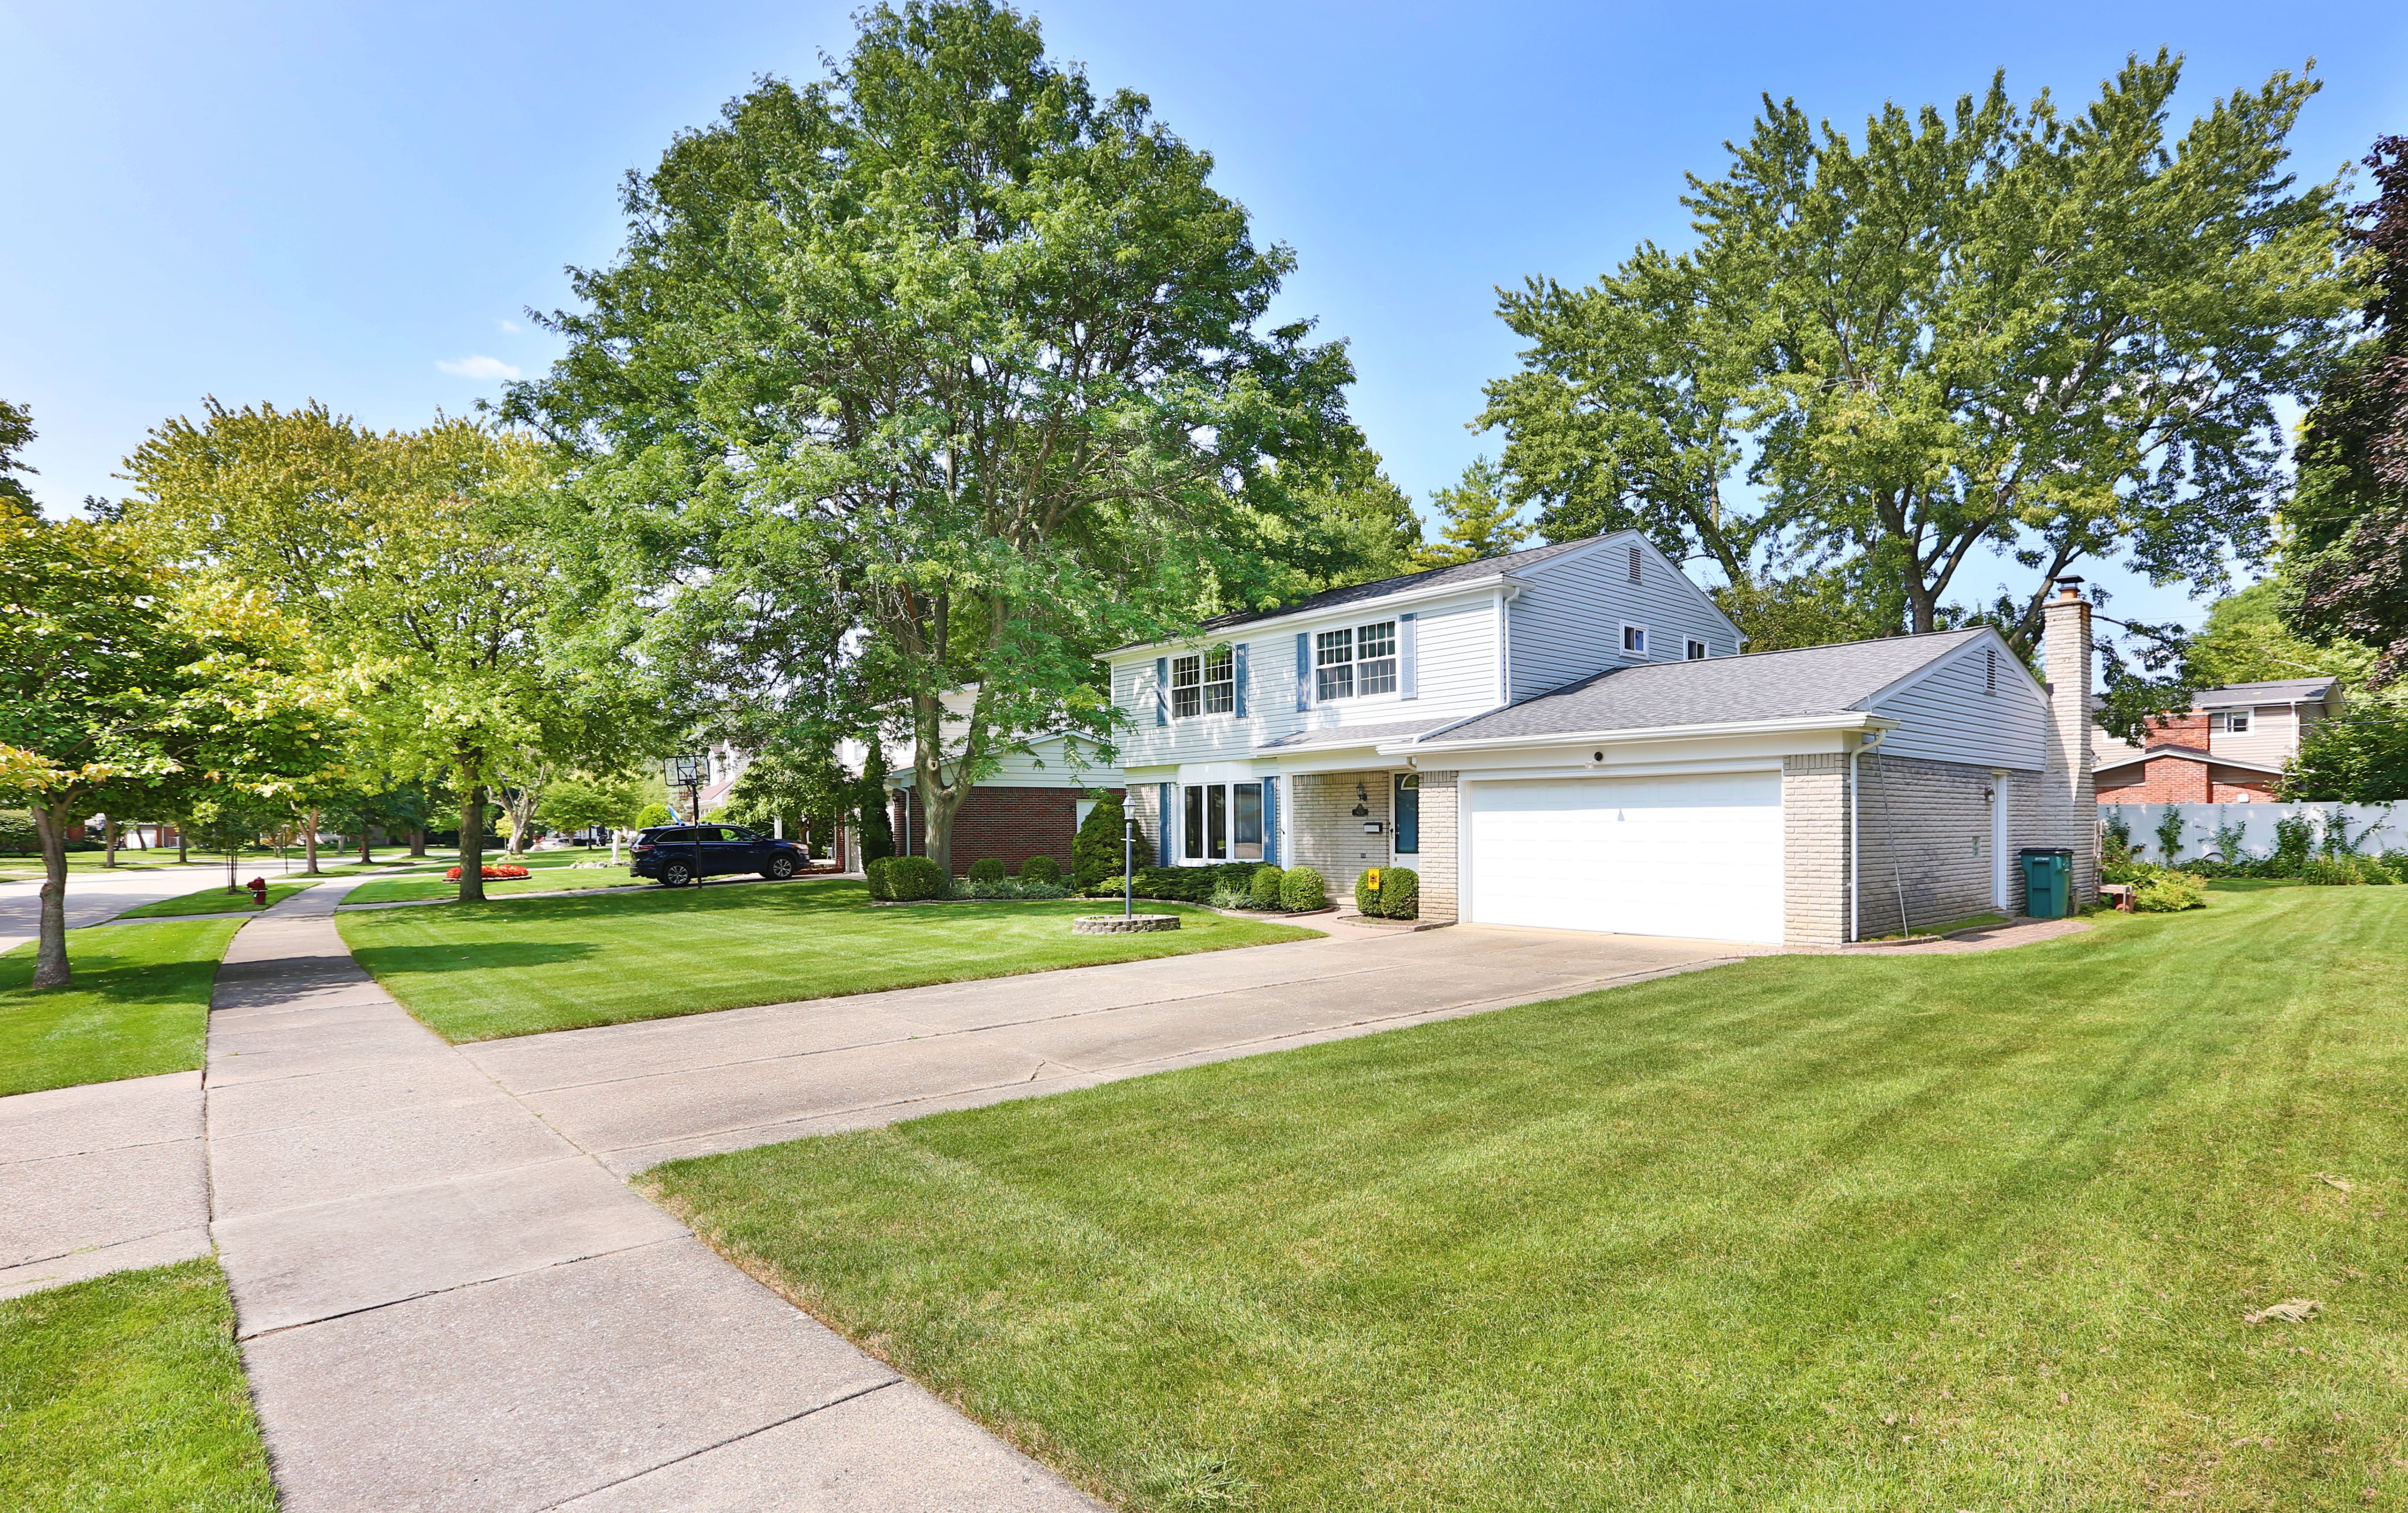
1402 596
1788 725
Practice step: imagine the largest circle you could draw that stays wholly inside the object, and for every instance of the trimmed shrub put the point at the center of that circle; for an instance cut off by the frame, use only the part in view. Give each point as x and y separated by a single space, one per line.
1112 886
1188 885
913 878
1302 889
1096 850
1263 888
989 869
1008 888
1042 869
1389 892
648 817
2170 892
881 887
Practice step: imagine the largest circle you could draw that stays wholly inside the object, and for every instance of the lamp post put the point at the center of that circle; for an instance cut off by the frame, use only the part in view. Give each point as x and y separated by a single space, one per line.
1128 864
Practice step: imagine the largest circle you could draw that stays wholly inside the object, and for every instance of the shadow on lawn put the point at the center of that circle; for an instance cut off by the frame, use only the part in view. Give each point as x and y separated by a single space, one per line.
382 961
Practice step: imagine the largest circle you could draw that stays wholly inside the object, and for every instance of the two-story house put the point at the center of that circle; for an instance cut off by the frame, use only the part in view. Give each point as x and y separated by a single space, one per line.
1570 737
2231 746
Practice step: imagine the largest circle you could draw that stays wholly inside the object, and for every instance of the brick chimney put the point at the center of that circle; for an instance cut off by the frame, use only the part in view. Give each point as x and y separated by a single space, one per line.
2177 729
2071 798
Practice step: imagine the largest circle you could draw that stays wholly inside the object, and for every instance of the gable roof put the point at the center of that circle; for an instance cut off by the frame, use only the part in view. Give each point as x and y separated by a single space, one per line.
2187 753
1760 685
1435 578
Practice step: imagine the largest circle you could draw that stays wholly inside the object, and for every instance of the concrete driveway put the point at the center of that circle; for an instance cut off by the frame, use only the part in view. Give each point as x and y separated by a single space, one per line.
633 1095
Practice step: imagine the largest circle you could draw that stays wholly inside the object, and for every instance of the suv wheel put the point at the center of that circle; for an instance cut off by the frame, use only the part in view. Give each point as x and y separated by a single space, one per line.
780 868
675 874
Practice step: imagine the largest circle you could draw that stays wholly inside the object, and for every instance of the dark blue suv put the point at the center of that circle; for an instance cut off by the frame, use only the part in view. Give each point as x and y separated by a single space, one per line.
677 854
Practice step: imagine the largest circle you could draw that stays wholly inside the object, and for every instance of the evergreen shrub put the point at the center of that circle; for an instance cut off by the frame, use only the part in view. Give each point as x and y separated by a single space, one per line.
989 869
1263 888
1096 850
1302 889
913 878
1040 869
877 868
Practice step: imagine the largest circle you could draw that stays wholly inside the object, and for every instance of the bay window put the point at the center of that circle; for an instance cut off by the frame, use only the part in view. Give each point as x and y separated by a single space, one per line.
1224 822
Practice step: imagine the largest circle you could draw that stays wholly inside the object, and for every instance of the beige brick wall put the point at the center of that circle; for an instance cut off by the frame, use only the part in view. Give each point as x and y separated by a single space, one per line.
1326 836
1924 828
1436 864
1815 844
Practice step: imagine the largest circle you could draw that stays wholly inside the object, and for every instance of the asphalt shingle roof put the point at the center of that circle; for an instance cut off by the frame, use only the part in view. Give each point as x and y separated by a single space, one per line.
1764 685
2282 691
1471 572
1352 734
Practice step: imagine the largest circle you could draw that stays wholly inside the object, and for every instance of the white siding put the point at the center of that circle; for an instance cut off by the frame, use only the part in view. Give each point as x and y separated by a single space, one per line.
1567 623
1456 656
1950 714
2272 737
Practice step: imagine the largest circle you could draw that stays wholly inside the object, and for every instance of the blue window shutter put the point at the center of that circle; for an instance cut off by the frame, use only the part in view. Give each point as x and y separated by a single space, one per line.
1409 659
1303 671
1271 821
1167 800
1162 691
1239 673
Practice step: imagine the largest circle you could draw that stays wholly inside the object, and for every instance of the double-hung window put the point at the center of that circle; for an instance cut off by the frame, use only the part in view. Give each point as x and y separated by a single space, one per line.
1204 684
2235 723
1360 660
1220 680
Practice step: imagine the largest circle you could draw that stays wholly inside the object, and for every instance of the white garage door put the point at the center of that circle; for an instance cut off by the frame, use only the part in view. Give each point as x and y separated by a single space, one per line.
1696 856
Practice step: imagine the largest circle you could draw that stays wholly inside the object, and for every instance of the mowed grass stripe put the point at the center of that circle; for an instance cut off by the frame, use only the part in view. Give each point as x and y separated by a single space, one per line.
475 972
1970 1231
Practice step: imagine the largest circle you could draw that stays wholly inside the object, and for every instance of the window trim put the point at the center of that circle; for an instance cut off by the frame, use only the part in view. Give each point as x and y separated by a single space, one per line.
1341 671
1196 811
1640 651
1223 659
1187 686
1696 651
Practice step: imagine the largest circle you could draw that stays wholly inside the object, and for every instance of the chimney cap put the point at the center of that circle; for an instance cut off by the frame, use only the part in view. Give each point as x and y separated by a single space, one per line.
2068 587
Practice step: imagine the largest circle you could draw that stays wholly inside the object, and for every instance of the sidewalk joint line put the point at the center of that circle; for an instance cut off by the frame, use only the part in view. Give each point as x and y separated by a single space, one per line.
732 1439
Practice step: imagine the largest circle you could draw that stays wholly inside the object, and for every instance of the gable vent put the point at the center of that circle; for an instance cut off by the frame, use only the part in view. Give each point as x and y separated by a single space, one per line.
1634 565
1990 671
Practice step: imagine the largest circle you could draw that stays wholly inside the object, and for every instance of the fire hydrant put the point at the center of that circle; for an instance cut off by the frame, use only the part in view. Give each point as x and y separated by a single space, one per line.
259 891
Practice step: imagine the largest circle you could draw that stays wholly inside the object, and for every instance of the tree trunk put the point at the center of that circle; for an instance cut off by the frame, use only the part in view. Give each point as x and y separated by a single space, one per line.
309 845
50 823
183 844
108 840
367 854
472 840
938 807
417 840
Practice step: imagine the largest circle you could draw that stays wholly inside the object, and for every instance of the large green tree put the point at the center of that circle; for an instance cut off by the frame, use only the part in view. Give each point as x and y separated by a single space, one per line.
127 687
1480 520
2348 551
2060 336
421 564
940 372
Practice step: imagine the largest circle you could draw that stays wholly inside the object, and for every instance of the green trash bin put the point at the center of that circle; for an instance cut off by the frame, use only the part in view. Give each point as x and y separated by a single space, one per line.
2048 878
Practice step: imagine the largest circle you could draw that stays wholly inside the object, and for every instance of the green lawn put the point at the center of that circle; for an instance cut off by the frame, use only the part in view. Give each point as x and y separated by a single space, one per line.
214 899
550 872
126 1392
1949 1232
475 972
139 1004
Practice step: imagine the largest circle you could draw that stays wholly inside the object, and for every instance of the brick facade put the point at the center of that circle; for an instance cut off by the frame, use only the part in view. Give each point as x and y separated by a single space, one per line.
1814 848
1324 834
1010 825
1441 798
2169 778
1926 831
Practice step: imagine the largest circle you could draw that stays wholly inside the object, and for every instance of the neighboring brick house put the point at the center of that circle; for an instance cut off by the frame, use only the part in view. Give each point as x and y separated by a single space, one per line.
2230 747
1567 738
1031 806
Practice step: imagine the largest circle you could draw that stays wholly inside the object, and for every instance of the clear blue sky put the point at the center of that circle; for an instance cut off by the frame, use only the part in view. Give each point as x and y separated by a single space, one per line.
281 201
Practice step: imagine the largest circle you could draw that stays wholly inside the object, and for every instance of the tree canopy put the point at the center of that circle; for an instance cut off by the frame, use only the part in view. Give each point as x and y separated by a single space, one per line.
1481 521
2063 336
2349 524
938 371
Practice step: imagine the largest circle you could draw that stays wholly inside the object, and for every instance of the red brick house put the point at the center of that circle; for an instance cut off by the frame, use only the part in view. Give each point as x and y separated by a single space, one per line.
2230 747
1032 804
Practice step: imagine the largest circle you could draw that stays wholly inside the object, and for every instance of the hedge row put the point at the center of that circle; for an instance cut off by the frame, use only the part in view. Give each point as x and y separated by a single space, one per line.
1262 885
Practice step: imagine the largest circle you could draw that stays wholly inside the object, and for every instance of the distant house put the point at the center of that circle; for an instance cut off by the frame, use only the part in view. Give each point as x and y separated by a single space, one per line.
2230 747
1031 805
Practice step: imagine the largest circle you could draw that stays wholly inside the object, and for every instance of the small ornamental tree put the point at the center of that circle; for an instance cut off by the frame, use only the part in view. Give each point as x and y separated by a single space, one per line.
1096 850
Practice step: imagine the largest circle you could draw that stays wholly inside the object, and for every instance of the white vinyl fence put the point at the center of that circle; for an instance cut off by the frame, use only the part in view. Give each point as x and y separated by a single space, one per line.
2373 828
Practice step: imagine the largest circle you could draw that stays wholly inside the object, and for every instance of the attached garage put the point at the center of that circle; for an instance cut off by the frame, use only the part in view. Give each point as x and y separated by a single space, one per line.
1697 855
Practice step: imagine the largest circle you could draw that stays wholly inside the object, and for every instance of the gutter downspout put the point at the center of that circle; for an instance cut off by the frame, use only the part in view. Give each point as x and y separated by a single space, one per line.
1855 853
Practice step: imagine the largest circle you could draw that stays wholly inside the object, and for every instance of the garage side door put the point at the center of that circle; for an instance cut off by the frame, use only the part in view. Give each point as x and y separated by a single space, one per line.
1693 856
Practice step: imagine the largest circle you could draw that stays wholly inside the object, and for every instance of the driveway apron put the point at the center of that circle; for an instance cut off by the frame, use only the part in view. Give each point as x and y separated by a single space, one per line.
445 1304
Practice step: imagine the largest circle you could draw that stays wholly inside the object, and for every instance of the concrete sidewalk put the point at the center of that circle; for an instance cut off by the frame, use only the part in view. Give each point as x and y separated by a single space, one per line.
638 1094
101 1177
443 1304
